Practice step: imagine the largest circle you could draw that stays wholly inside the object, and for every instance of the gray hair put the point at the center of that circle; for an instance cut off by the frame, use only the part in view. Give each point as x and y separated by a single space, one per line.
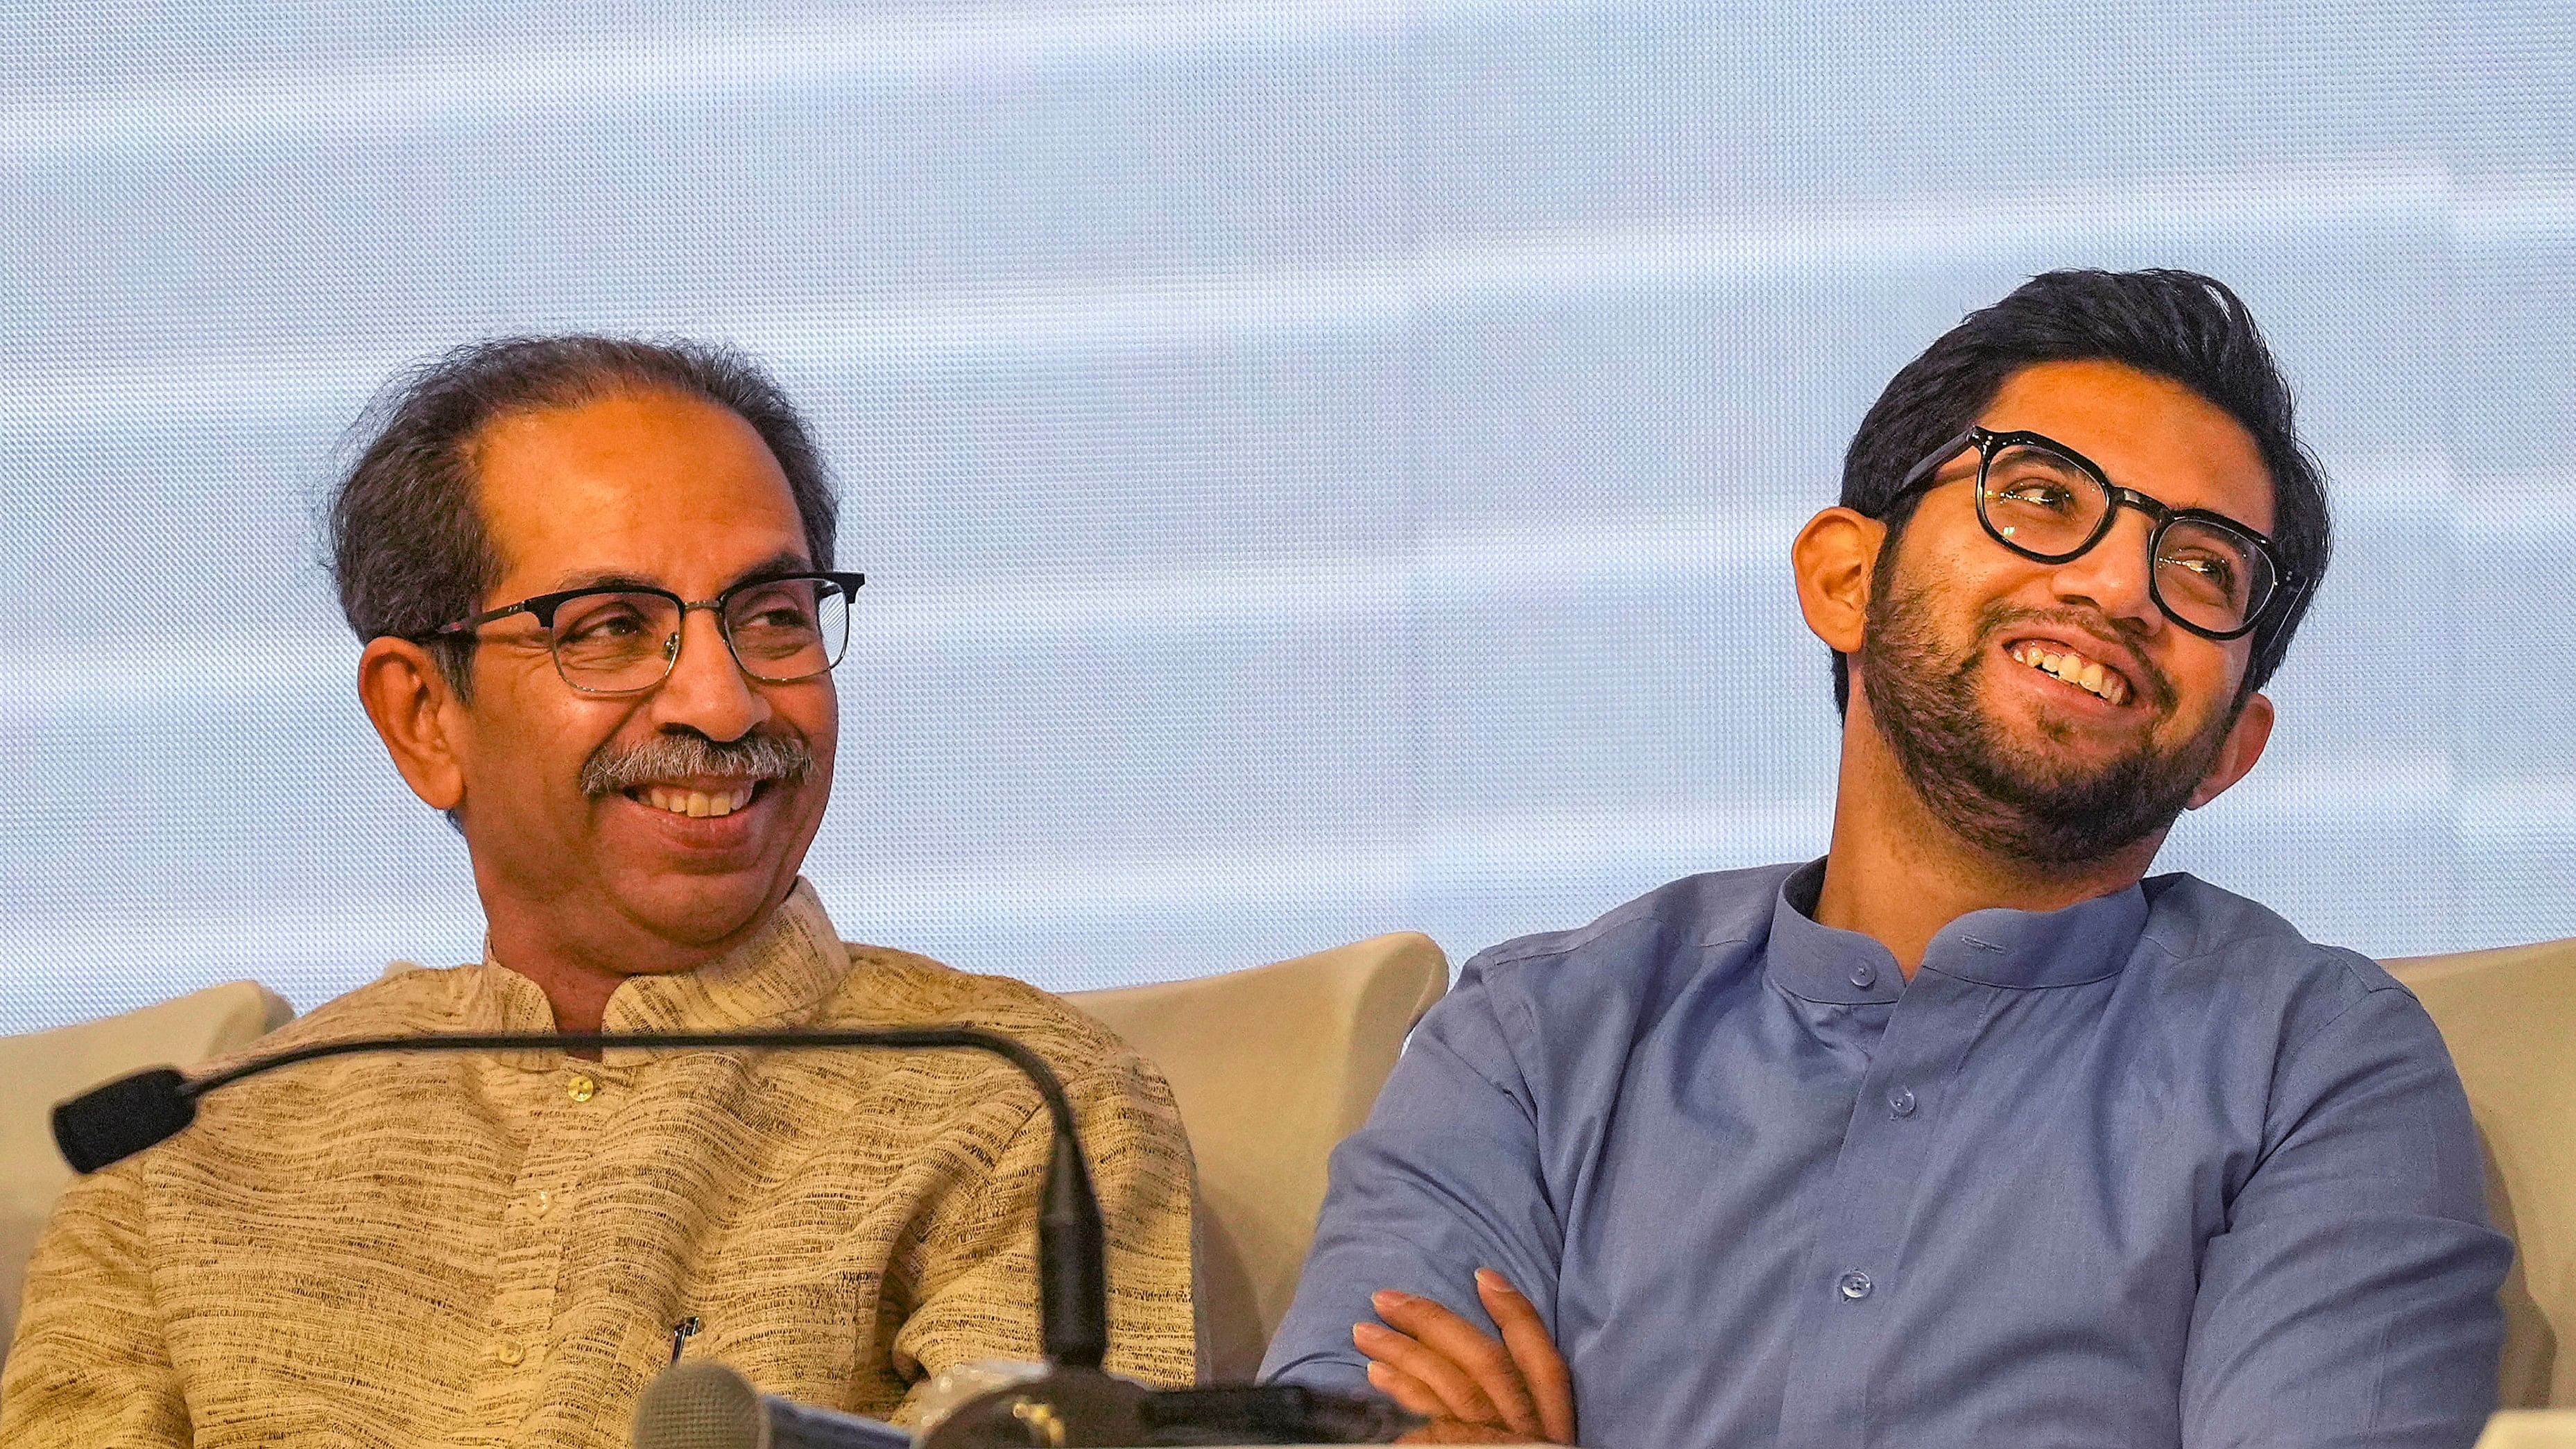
409 550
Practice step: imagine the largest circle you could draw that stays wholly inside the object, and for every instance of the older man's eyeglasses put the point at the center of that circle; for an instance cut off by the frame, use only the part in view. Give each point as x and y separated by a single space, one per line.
623 639
2043 500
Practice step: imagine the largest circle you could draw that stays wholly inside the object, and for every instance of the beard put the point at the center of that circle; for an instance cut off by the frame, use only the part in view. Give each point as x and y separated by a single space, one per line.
2024 805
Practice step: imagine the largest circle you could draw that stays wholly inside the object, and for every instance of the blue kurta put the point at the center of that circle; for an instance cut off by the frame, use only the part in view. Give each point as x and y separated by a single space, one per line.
2151 1170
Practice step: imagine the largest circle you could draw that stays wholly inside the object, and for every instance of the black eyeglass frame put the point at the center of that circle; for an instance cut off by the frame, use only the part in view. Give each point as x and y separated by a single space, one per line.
1988 442
543 607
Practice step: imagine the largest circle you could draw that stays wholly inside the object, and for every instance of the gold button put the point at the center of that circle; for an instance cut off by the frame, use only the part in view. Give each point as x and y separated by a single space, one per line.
545 1200
580 1088
511 1353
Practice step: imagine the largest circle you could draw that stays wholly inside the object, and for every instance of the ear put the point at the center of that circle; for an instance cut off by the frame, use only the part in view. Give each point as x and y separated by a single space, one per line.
2237 753
418 716
1833 557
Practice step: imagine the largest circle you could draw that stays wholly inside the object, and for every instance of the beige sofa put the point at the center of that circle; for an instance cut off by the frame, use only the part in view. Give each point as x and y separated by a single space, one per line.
2510 1019
41 1068
1272 1066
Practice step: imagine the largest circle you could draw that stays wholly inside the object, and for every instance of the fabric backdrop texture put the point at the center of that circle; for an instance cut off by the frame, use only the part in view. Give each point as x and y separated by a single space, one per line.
1321 468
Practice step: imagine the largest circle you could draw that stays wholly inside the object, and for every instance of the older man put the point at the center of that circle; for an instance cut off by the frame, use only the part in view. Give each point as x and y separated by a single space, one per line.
1968 1133
595 580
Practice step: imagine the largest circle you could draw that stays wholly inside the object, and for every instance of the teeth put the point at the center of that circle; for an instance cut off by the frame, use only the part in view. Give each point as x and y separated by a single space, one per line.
2089 675
699 804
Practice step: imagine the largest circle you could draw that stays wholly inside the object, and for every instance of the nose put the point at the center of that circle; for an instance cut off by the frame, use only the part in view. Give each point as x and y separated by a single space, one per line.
2114 574
707 691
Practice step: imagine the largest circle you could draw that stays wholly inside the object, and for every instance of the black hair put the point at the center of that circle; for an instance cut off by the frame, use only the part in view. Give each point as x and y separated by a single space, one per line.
2174 324
409 550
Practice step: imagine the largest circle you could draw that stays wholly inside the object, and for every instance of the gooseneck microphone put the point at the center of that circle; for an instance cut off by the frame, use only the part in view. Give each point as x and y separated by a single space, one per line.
110 1123
705 1405
1073 1405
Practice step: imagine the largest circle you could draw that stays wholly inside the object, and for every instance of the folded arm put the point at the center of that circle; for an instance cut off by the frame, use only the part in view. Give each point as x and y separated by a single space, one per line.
1472 1386
2351 1298
1437 1209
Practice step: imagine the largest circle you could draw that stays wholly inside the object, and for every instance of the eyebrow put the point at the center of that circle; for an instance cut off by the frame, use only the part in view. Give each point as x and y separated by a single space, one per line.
785 561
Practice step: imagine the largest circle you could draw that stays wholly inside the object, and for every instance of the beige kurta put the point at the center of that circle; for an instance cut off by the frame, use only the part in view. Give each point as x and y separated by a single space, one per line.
463 1250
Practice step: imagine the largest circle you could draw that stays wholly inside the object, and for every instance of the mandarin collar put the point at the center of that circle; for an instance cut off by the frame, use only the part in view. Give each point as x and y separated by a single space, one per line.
776 978
2017 950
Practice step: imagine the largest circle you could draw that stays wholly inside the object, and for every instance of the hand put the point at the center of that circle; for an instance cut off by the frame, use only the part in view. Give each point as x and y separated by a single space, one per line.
1473 1389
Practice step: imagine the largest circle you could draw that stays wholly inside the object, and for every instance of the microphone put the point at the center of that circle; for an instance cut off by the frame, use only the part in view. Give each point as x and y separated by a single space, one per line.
1071 1406
110 1123
705 1405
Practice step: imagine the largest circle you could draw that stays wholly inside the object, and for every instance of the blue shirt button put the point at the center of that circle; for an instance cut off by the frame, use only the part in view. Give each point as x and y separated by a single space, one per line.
1864 976
1901 1102
1853 1286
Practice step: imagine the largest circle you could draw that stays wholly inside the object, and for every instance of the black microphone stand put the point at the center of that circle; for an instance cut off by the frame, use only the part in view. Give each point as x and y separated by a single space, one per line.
1073 1405
109 1123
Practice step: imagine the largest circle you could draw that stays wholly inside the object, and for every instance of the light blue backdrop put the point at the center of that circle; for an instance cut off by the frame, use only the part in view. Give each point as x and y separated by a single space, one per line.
1321 468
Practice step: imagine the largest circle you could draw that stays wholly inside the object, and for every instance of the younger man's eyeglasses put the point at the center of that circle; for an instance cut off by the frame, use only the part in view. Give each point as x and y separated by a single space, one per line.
624 639
2043 500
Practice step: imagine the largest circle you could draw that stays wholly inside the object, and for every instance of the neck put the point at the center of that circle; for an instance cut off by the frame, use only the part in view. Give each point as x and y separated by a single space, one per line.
578 991
579 957
1897 873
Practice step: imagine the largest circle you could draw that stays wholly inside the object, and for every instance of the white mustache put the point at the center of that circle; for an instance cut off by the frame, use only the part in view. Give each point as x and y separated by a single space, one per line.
670 757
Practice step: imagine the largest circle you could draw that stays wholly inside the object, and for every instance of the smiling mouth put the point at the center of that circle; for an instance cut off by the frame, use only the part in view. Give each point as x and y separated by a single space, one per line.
2070 666
697 804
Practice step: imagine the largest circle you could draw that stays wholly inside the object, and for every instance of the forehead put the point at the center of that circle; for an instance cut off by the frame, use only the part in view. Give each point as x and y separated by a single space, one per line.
656 486
2146 432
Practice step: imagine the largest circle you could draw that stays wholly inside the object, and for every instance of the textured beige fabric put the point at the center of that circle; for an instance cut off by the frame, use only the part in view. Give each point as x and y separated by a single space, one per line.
41 1068
458 1250
2509 1018
2530 1429
1272 1067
